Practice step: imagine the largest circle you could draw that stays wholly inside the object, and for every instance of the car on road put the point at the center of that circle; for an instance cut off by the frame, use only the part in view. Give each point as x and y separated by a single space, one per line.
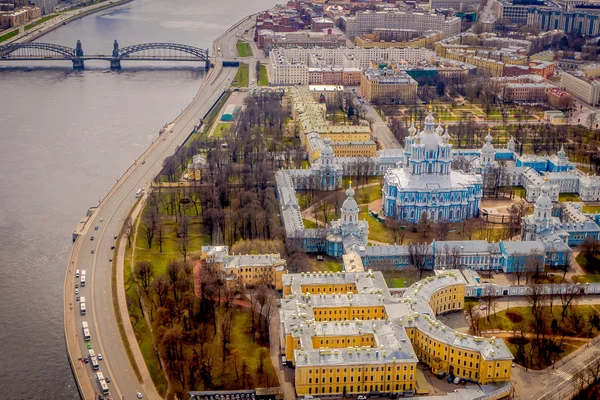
91 238
96 228
143 162
89 345
361 397
107 379
139 395
110 259
85 360
115 237
100 356
483 307
76 285
101 219
93 251
76 291
112 247
77 298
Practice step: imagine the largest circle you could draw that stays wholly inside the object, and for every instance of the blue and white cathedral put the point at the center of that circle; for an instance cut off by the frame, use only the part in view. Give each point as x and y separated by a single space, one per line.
423 183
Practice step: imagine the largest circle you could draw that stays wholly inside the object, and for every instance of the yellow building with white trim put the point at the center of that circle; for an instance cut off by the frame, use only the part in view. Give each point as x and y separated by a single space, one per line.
345 334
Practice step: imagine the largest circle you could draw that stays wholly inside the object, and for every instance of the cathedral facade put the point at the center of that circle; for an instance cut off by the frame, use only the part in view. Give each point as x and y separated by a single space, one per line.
423 185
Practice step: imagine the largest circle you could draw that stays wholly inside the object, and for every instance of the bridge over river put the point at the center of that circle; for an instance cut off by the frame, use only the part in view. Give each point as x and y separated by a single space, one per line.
139 52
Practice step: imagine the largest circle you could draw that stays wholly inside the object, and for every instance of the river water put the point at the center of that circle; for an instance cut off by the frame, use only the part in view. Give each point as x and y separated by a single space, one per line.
65 138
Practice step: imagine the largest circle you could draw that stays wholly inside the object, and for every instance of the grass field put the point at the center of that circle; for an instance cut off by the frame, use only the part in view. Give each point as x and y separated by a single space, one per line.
264 78
308 224
143 334
369 193
41 21
397 278
591 209
568 197
241 78
590 276
8 35
328 264
170 246
221 130
244 49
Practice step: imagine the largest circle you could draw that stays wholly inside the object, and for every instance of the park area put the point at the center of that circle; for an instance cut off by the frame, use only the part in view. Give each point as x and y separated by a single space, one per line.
195 332
244 49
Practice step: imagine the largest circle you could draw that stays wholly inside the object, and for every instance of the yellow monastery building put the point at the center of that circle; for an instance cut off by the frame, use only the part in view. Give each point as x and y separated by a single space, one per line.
345 334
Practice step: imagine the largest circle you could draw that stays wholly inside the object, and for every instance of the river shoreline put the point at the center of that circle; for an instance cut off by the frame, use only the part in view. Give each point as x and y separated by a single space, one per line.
57 22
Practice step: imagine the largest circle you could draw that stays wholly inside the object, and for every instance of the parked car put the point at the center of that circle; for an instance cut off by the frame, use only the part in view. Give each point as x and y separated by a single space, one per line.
77 298
441 375
450 378
96 228
107 378
76 291
483 307
456 380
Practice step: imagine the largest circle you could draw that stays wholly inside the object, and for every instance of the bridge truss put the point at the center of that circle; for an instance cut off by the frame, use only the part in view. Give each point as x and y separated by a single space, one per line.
36 51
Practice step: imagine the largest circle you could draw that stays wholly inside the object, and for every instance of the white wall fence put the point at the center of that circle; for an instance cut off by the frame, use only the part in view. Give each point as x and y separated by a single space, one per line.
480 290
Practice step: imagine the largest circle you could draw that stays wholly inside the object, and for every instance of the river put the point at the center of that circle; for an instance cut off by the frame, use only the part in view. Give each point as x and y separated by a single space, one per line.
65 139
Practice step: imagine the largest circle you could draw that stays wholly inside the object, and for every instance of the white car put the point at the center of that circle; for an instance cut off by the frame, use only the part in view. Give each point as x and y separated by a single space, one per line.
139 395
76 291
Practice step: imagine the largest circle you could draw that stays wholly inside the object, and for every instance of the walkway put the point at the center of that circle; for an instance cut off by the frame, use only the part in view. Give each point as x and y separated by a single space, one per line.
147 383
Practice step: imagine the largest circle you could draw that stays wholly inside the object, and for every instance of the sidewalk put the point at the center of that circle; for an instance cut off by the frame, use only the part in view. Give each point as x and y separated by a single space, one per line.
146 383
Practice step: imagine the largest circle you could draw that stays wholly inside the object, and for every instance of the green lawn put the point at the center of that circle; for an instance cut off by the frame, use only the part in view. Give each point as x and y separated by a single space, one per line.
264 78
372 179
241 78
568 197
142 331
370 193
396 278
501 320
308 224
41 21
170 246
244 49
377 231
8 35
591 209
221 130
328 264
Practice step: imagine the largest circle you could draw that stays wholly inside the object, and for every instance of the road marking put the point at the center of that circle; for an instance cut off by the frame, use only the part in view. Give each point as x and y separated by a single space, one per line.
562 374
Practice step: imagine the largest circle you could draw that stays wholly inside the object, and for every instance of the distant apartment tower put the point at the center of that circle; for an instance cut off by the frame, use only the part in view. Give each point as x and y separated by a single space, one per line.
367 21
387 86
514 11
47 6
582 22
586 89
458 5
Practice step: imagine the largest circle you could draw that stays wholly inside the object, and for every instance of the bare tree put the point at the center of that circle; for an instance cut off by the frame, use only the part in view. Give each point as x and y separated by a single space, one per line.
418 254
150 224
568 296
127 229
144 274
